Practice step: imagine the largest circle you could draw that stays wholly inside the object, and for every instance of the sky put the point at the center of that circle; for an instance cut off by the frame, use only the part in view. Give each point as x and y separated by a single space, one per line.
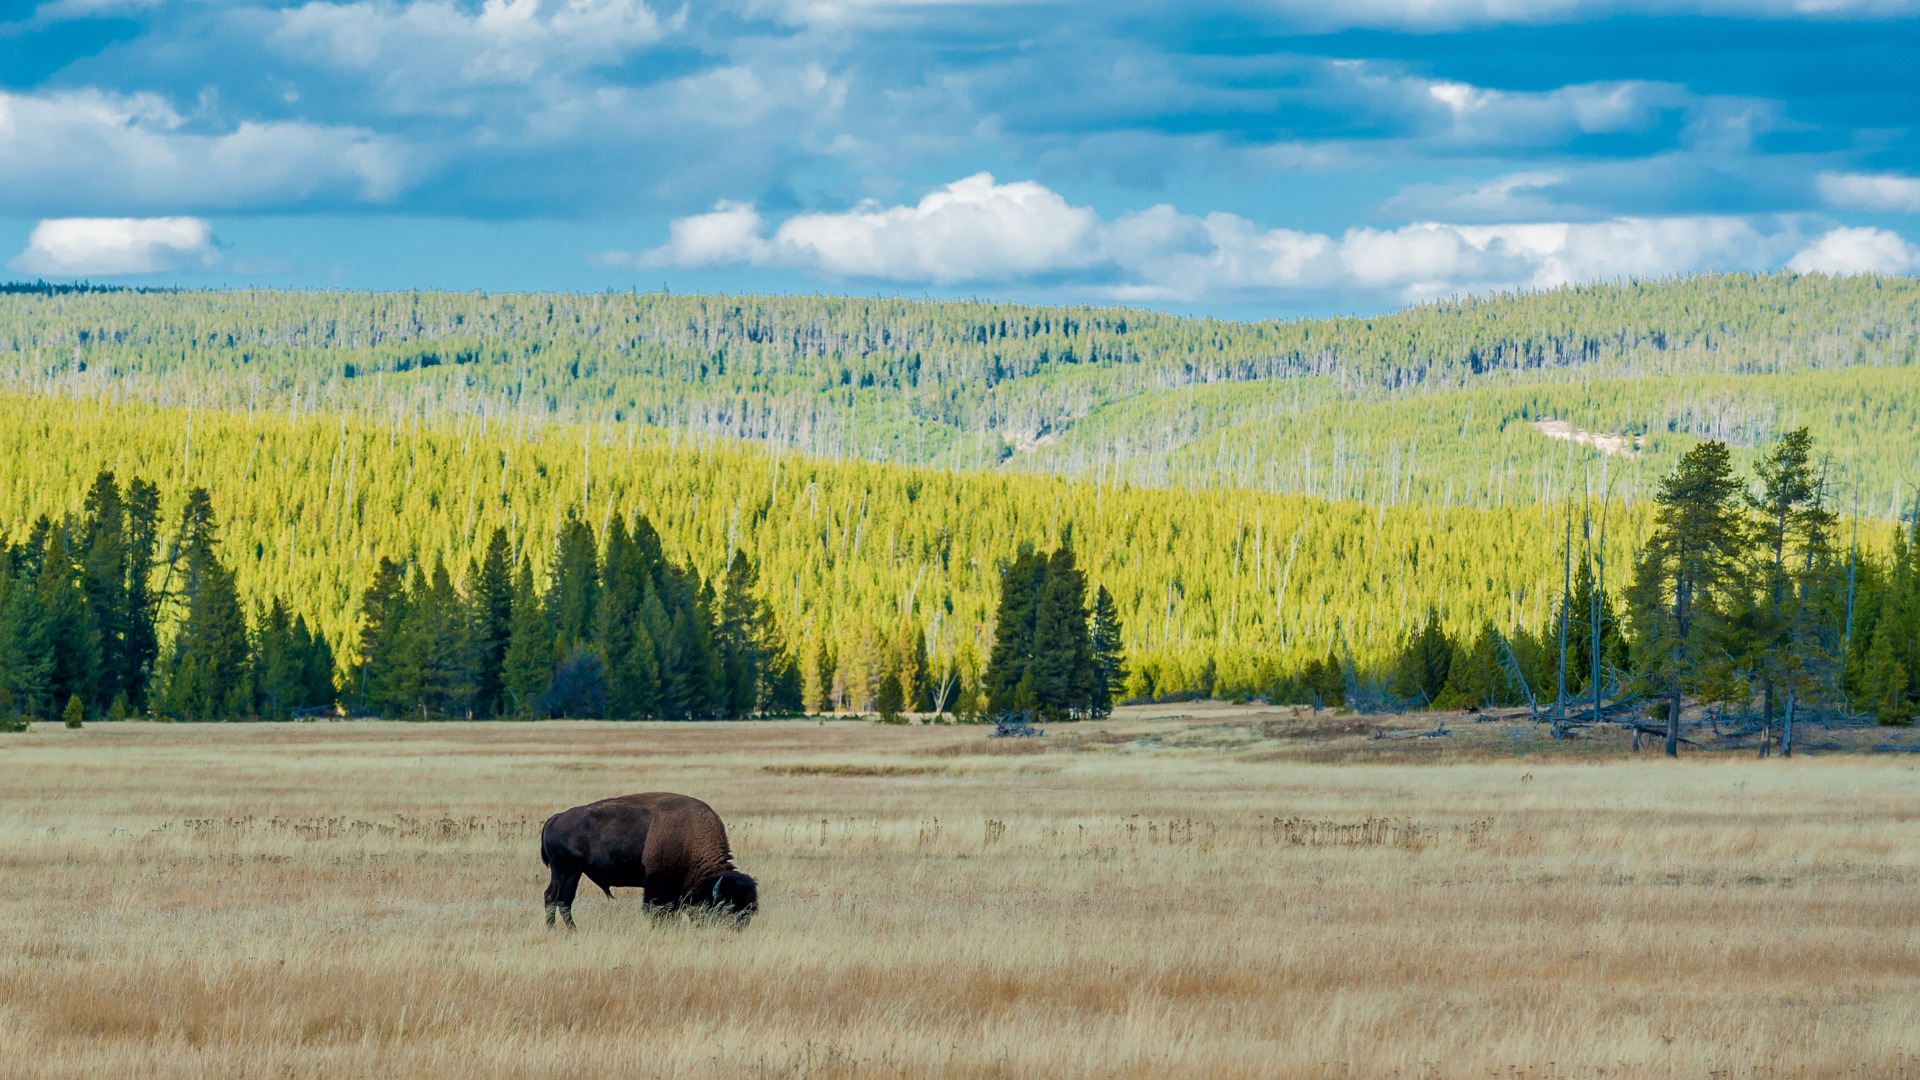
1246 158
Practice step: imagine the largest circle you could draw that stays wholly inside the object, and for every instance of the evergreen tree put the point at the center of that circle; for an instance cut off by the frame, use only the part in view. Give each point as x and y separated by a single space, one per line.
1685 576
1062 660
914 677
316 666
491 589
527 669
823 673
1013 631
69 622
632 662
892 699
104 577
279 677
383 616
26 651
739 639
440 670
1794 637
141 648
574 592
1421 671
1474 678
76 713
212 669
1109 653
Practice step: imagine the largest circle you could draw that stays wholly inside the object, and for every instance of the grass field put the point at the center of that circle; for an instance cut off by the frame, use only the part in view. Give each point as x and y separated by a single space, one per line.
1227 894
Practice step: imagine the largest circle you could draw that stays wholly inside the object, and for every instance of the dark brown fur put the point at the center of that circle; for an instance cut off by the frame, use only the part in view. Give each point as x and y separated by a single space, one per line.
671 847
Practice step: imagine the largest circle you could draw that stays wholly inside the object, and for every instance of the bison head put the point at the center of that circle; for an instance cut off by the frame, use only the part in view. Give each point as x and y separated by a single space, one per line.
732 894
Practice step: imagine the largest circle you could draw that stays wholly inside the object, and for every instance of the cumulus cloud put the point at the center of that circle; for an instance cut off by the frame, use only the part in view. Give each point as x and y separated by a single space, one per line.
980 230
1858 251
1411 14
969 230
113 247
63 150
434 43
1883 193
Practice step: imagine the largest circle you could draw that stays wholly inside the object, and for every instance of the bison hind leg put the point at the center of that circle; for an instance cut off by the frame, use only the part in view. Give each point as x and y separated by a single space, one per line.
560 892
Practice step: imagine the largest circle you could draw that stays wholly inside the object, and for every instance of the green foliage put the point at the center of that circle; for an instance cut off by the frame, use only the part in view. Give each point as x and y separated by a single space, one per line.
75 713
1043 653
892 700
1107 641
1421 671
1433 404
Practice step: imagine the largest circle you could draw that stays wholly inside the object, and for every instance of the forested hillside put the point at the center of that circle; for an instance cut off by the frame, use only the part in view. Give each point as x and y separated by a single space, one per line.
1434 404
1220 590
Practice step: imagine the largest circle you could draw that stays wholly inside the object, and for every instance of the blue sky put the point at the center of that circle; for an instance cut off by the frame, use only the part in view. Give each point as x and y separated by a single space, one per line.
1245 158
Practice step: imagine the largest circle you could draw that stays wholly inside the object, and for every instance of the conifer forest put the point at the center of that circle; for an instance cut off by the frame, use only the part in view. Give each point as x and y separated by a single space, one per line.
1609 502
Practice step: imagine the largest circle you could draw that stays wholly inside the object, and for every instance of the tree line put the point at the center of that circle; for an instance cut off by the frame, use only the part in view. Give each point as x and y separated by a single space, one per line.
83 603
616 631
1743 598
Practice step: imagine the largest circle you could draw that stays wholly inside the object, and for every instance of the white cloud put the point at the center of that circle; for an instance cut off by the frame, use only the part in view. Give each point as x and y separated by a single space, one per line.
430 44
1423 14
1448 14
1885 193
969 230
978 230
74 247
1857 251
66 150
729 234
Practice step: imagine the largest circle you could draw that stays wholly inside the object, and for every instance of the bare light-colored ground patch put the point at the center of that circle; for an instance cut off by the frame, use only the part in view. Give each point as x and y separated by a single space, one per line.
1177 890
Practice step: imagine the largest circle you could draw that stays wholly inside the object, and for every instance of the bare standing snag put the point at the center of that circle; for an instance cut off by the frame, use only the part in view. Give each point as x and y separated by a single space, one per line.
671 847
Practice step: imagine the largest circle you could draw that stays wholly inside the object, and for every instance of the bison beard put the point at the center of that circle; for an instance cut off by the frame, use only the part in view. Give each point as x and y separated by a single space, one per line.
671 847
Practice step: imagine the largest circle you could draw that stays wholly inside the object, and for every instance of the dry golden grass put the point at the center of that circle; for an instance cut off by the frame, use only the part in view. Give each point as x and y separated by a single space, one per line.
1141 897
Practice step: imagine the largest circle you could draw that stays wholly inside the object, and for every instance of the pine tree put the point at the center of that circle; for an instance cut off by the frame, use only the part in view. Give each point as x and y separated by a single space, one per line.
1109 653
527 669
1684 576
1013 632
279 678
26 653
823 673
443 632
892 699
213 677
76 713
1421 672
1062 661
491 589
573 594
914 676
315 666
69 622
382 621
104 575
141 649
738 638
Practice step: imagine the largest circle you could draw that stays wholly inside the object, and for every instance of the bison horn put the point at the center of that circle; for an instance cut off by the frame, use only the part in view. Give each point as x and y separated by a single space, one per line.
716 886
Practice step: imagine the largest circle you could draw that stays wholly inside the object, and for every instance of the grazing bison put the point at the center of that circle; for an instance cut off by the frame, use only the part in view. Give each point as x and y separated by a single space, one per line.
670 847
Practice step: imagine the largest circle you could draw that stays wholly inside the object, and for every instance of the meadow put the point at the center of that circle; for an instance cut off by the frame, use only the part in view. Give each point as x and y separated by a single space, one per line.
1197 890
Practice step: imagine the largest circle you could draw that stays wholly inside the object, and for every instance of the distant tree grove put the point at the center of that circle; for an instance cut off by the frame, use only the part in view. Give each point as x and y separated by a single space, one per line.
1745 598
82 626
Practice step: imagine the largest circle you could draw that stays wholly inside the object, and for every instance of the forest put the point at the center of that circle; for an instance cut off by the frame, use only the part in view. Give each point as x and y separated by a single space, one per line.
1434 404
1302 511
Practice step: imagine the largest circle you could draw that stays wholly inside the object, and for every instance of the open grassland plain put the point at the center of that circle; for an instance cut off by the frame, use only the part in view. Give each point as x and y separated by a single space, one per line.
1201 895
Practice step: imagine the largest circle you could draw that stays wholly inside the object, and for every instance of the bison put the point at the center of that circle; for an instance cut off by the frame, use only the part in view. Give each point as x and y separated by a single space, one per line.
671 847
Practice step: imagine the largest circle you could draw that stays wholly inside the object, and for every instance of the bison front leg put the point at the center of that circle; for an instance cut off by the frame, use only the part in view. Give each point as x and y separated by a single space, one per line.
560 892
